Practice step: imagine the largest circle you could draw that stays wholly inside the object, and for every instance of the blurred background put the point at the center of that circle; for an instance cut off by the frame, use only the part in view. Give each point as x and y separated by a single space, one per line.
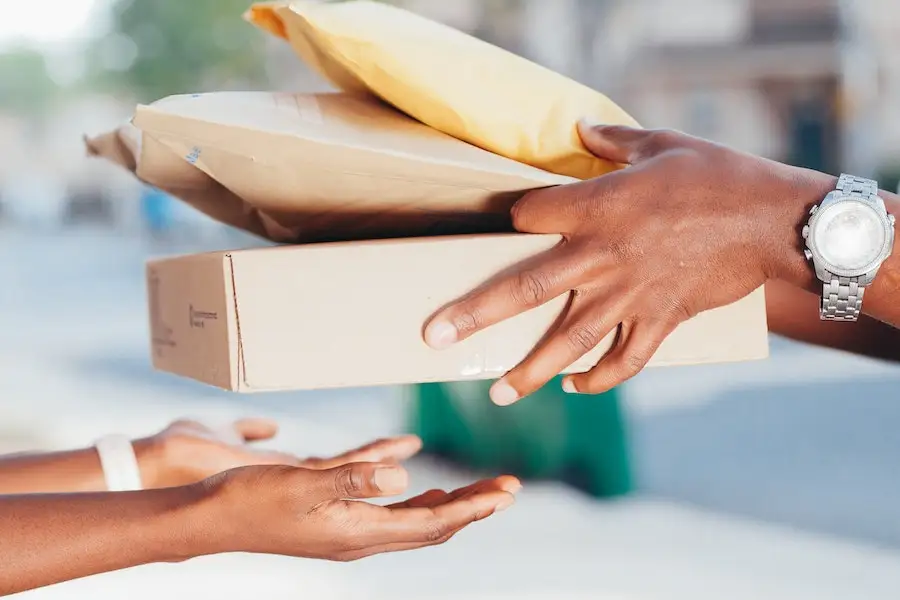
775 479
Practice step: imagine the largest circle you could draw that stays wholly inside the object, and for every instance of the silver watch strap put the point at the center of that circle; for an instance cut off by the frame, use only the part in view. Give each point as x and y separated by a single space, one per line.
842 296
857 186
842 299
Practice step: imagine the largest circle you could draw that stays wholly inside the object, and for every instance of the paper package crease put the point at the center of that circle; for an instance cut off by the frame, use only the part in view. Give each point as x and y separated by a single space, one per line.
319 167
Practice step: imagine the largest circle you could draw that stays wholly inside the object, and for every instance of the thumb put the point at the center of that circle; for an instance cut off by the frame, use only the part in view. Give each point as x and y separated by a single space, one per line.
615 143
256 429
358 480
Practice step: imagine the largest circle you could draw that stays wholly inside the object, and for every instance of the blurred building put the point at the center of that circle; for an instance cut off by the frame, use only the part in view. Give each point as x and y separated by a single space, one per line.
813 82
764 75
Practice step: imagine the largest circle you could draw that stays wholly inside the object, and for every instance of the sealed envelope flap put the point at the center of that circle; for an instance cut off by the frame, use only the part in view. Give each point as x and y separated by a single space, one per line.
351 314
447 79
334 166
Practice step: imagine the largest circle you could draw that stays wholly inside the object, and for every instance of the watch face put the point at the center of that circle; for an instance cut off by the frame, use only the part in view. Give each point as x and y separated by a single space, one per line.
850 235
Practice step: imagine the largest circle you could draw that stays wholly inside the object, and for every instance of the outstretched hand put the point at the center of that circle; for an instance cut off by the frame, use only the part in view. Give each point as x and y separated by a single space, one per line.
188 451
320 513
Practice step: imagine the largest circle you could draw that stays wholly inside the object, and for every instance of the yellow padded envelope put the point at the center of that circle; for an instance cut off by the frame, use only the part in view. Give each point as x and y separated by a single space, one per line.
447 79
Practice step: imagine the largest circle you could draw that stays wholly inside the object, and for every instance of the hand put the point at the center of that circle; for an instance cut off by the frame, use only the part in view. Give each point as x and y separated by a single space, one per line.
317 513
187 452
688 226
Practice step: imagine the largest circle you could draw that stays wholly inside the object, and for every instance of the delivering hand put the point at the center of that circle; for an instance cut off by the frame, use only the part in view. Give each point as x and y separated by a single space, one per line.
689 226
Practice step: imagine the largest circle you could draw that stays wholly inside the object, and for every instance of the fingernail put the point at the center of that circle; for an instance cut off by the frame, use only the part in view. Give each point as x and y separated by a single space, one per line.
590 122
391 479
568 386
503 394
440 335
514 487
504 504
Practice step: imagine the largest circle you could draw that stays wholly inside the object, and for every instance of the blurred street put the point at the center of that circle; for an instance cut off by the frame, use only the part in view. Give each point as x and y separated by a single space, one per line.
775 479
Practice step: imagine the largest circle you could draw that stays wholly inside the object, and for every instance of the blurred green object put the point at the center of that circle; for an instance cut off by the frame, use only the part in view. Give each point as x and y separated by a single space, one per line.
581 440
160 47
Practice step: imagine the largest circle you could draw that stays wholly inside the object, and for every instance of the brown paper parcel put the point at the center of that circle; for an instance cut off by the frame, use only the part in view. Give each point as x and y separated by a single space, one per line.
447 79
317 167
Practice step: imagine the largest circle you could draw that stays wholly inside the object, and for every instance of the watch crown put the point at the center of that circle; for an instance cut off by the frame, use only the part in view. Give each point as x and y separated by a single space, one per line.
813 210
892 219
807 254
805 231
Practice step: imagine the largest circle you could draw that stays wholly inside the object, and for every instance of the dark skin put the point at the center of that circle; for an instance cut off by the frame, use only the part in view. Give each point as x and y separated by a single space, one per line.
273 510
182 453
689 226
311 507
793 313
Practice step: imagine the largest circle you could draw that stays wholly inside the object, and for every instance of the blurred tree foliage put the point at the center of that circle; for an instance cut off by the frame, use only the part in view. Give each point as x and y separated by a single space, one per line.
162 47
25 86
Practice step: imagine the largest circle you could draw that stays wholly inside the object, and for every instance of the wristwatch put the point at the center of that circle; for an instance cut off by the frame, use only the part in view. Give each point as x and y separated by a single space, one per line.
848 236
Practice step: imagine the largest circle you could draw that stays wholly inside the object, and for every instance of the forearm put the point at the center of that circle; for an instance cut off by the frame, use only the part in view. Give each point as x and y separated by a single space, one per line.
59 472
794 313
882 298
48 539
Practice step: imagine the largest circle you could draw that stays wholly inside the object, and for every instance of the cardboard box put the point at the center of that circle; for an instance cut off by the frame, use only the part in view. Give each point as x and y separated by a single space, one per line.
351 314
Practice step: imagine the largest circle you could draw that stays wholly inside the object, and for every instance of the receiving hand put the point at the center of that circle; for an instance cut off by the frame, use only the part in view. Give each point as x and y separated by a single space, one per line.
319 513
187 452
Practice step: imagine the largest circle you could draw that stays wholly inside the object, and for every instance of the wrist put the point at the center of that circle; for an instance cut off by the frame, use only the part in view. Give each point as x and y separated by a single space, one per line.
800 190
166 461
151 459
183 525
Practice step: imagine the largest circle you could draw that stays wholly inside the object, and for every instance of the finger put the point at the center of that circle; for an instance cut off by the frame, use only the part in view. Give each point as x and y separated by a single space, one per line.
526 286
638 342
616 143
504 483
551 209
423 526
190 425
628 145
582 330
432 498
256 429
355 480
566 208
428 499
396 449
437 537
260 457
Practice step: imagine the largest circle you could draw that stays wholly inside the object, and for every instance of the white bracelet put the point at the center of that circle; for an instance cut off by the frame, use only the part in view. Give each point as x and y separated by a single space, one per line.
119 463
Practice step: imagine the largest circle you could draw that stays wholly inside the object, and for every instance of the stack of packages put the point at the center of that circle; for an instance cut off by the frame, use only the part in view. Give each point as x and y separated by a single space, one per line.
389 199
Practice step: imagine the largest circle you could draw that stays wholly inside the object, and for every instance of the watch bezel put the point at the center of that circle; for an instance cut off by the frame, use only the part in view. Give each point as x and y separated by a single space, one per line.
832 201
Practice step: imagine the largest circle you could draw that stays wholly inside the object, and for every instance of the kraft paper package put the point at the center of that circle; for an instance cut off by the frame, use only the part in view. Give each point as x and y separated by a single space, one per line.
447 79
153 163
318 167
433 133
